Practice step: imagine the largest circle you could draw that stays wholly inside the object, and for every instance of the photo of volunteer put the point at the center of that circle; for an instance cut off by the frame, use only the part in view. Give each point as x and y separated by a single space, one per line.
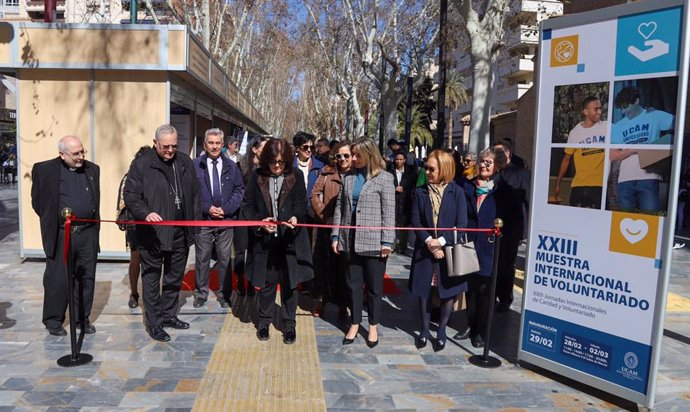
644 114
573 105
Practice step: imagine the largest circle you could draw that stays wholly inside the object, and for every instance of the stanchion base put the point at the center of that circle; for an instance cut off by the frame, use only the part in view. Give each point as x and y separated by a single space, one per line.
488 362
67 361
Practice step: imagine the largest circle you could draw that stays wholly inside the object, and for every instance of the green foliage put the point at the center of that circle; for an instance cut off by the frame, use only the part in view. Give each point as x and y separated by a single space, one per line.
423 98
456 93
420 134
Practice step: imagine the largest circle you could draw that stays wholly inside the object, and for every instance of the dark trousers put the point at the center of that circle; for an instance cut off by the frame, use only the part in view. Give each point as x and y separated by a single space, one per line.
361 271
506 268
277 274
162 305
209 238
84 253
478 303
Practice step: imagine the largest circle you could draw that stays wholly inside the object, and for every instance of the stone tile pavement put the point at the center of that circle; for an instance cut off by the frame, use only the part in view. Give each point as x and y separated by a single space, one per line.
130 371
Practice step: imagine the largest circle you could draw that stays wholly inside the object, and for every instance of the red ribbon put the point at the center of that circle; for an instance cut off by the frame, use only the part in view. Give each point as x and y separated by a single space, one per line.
249 223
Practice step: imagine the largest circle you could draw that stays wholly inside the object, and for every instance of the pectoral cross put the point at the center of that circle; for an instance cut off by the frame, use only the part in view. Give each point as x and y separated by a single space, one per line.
178 202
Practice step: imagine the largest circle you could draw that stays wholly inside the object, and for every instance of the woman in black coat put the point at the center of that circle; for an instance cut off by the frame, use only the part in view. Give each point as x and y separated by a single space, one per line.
488 197
440 204
280 252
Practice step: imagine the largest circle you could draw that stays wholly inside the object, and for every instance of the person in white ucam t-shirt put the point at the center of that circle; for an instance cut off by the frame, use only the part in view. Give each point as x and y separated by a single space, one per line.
638 189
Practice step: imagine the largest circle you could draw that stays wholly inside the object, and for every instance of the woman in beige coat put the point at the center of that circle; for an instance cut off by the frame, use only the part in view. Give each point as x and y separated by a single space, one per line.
329 282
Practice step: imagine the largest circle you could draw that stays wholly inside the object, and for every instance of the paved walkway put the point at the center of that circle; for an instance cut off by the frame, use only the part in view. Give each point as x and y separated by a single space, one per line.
218 364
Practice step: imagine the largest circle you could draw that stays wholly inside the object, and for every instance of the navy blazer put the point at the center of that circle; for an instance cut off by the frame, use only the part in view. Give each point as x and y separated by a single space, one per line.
497 203
232 187
314 172
452 213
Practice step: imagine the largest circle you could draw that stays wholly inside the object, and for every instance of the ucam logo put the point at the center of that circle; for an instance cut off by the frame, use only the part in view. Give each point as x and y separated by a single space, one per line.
630 362
564 51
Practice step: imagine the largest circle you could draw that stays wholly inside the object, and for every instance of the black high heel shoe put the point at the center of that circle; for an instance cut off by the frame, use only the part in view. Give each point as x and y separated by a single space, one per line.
421 342
440 345
347 341
372 344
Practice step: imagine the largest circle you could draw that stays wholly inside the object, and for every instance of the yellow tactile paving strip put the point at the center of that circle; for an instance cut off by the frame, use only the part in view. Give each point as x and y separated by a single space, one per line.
245 374
674 303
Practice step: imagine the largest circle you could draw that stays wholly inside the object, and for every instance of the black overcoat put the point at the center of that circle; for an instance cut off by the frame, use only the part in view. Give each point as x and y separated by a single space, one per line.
45 198
294 243
148 190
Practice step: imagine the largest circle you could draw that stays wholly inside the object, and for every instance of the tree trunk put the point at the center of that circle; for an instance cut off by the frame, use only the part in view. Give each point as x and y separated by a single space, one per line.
450 129
482 95
391 100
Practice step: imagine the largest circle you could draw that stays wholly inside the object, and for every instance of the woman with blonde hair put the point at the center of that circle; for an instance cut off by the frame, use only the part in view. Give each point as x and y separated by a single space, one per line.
438 204
367 199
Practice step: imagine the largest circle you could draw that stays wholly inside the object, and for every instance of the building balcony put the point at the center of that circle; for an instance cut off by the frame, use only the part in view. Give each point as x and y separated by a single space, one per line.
523 35
516 66
39 6
540 7
509 95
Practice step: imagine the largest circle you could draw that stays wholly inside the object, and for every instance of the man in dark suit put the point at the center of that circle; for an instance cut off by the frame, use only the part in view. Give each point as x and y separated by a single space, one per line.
67 181
162 185
221 191
405 180
519 180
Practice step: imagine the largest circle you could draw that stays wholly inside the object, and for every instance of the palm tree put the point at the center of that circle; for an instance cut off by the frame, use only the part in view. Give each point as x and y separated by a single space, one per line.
420 135
456 96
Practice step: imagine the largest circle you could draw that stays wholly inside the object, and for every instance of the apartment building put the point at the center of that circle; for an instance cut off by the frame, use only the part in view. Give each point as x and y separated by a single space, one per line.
514 71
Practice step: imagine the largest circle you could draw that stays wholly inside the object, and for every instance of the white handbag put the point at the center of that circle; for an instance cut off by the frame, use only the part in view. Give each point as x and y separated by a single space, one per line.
461 257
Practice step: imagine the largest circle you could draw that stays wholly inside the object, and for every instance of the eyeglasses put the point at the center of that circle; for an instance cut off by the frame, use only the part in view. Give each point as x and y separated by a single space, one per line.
167 146
486 162
77 154
306 147
341 156
276 163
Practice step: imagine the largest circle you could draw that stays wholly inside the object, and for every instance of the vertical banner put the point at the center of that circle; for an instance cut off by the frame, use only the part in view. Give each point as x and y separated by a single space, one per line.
611 107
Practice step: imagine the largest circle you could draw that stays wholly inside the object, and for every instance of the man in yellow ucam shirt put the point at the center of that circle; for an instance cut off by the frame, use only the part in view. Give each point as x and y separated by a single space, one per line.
586 187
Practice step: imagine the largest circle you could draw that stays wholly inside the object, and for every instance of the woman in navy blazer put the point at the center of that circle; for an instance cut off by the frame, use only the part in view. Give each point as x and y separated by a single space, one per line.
438 204
488 197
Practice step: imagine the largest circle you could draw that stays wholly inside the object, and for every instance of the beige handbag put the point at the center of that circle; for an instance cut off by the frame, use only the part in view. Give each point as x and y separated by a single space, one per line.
461 258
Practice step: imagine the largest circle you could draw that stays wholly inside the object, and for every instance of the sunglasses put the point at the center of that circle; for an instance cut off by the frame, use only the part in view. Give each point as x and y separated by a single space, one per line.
276 163
306 147
341 156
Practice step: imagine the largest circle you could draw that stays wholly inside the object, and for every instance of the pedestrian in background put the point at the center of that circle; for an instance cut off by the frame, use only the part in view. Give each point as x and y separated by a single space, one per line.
123 214
404 180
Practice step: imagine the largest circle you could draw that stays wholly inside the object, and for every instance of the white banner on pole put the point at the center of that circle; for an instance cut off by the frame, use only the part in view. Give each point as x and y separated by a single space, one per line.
609 120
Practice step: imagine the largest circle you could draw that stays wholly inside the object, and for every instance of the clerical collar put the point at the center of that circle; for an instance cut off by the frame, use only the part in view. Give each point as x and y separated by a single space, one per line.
70 168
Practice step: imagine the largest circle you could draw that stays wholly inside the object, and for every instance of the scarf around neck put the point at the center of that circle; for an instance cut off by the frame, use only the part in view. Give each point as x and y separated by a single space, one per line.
483 188
436 197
